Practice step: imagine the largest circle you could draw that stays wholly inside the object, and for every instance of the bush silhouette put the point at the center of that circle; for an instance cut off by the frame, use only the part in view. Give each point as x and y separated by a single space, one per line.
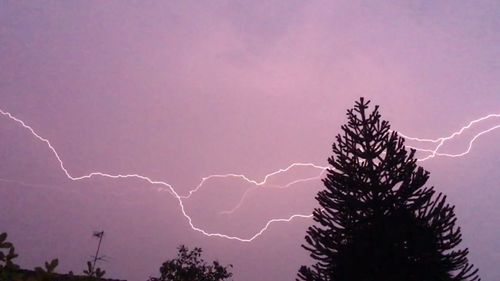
189 266
10 271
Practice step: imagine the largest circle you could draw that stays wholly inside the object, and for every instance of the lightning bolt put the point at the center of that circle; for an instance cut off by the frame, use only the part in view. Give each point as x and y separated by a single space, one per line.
435 152
256 183
169 187
441 141
245 194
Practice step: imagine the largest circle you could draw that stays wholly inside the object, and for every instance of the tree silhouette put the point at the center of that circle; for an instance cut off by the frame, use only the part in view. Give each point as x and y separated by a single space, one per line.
9 271
189 266
377 221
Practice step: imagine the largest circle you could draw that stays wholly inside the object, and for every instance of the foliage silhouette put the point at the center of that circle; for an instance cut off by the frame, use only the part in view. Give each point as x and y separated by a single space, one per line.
189 266
93 271
9 271
377 220
7 256
12 272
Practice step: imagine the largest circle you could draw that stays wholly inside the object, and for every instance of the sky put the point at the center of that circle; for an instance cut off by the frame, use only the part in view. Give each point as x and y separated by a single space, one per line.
180 90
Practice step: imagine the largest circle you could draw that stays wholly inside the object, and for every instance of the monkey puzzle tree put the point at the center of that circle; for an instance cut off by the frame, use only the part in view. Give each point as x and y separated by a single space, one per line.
377 221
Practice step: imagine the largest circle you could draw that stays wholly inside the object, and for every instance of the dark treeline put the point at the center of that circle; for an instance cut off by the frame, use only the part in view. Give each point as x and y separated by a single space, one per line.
187 266
11 271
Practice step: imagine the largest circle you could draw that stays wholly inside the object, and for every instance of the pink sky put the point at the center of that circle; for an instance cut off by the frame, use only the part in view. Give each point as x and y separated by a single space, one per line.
179 91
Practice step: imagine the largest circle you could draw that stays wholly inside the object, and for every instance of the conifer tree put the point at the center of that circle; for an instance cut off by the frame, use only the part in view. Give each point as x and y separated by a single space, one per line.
377 221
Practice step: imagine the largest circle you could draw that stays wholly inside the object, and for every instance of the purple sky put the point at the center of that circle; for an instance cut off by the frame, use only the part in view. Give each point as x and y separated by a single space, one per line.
177 91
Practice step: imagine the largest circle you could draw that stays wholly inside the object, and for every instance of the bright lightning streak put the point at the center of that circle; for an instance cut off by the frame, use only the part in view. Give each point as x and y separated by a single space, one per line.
228 212
453 134
180 198
263 182
470 144
442 140
433 153
169 187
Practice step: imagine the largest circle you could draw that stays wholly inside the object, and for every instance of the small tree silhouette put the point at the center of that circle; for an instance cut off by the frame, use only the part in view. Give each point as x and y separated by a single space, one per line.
189 266
377 221
9 271
7 256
